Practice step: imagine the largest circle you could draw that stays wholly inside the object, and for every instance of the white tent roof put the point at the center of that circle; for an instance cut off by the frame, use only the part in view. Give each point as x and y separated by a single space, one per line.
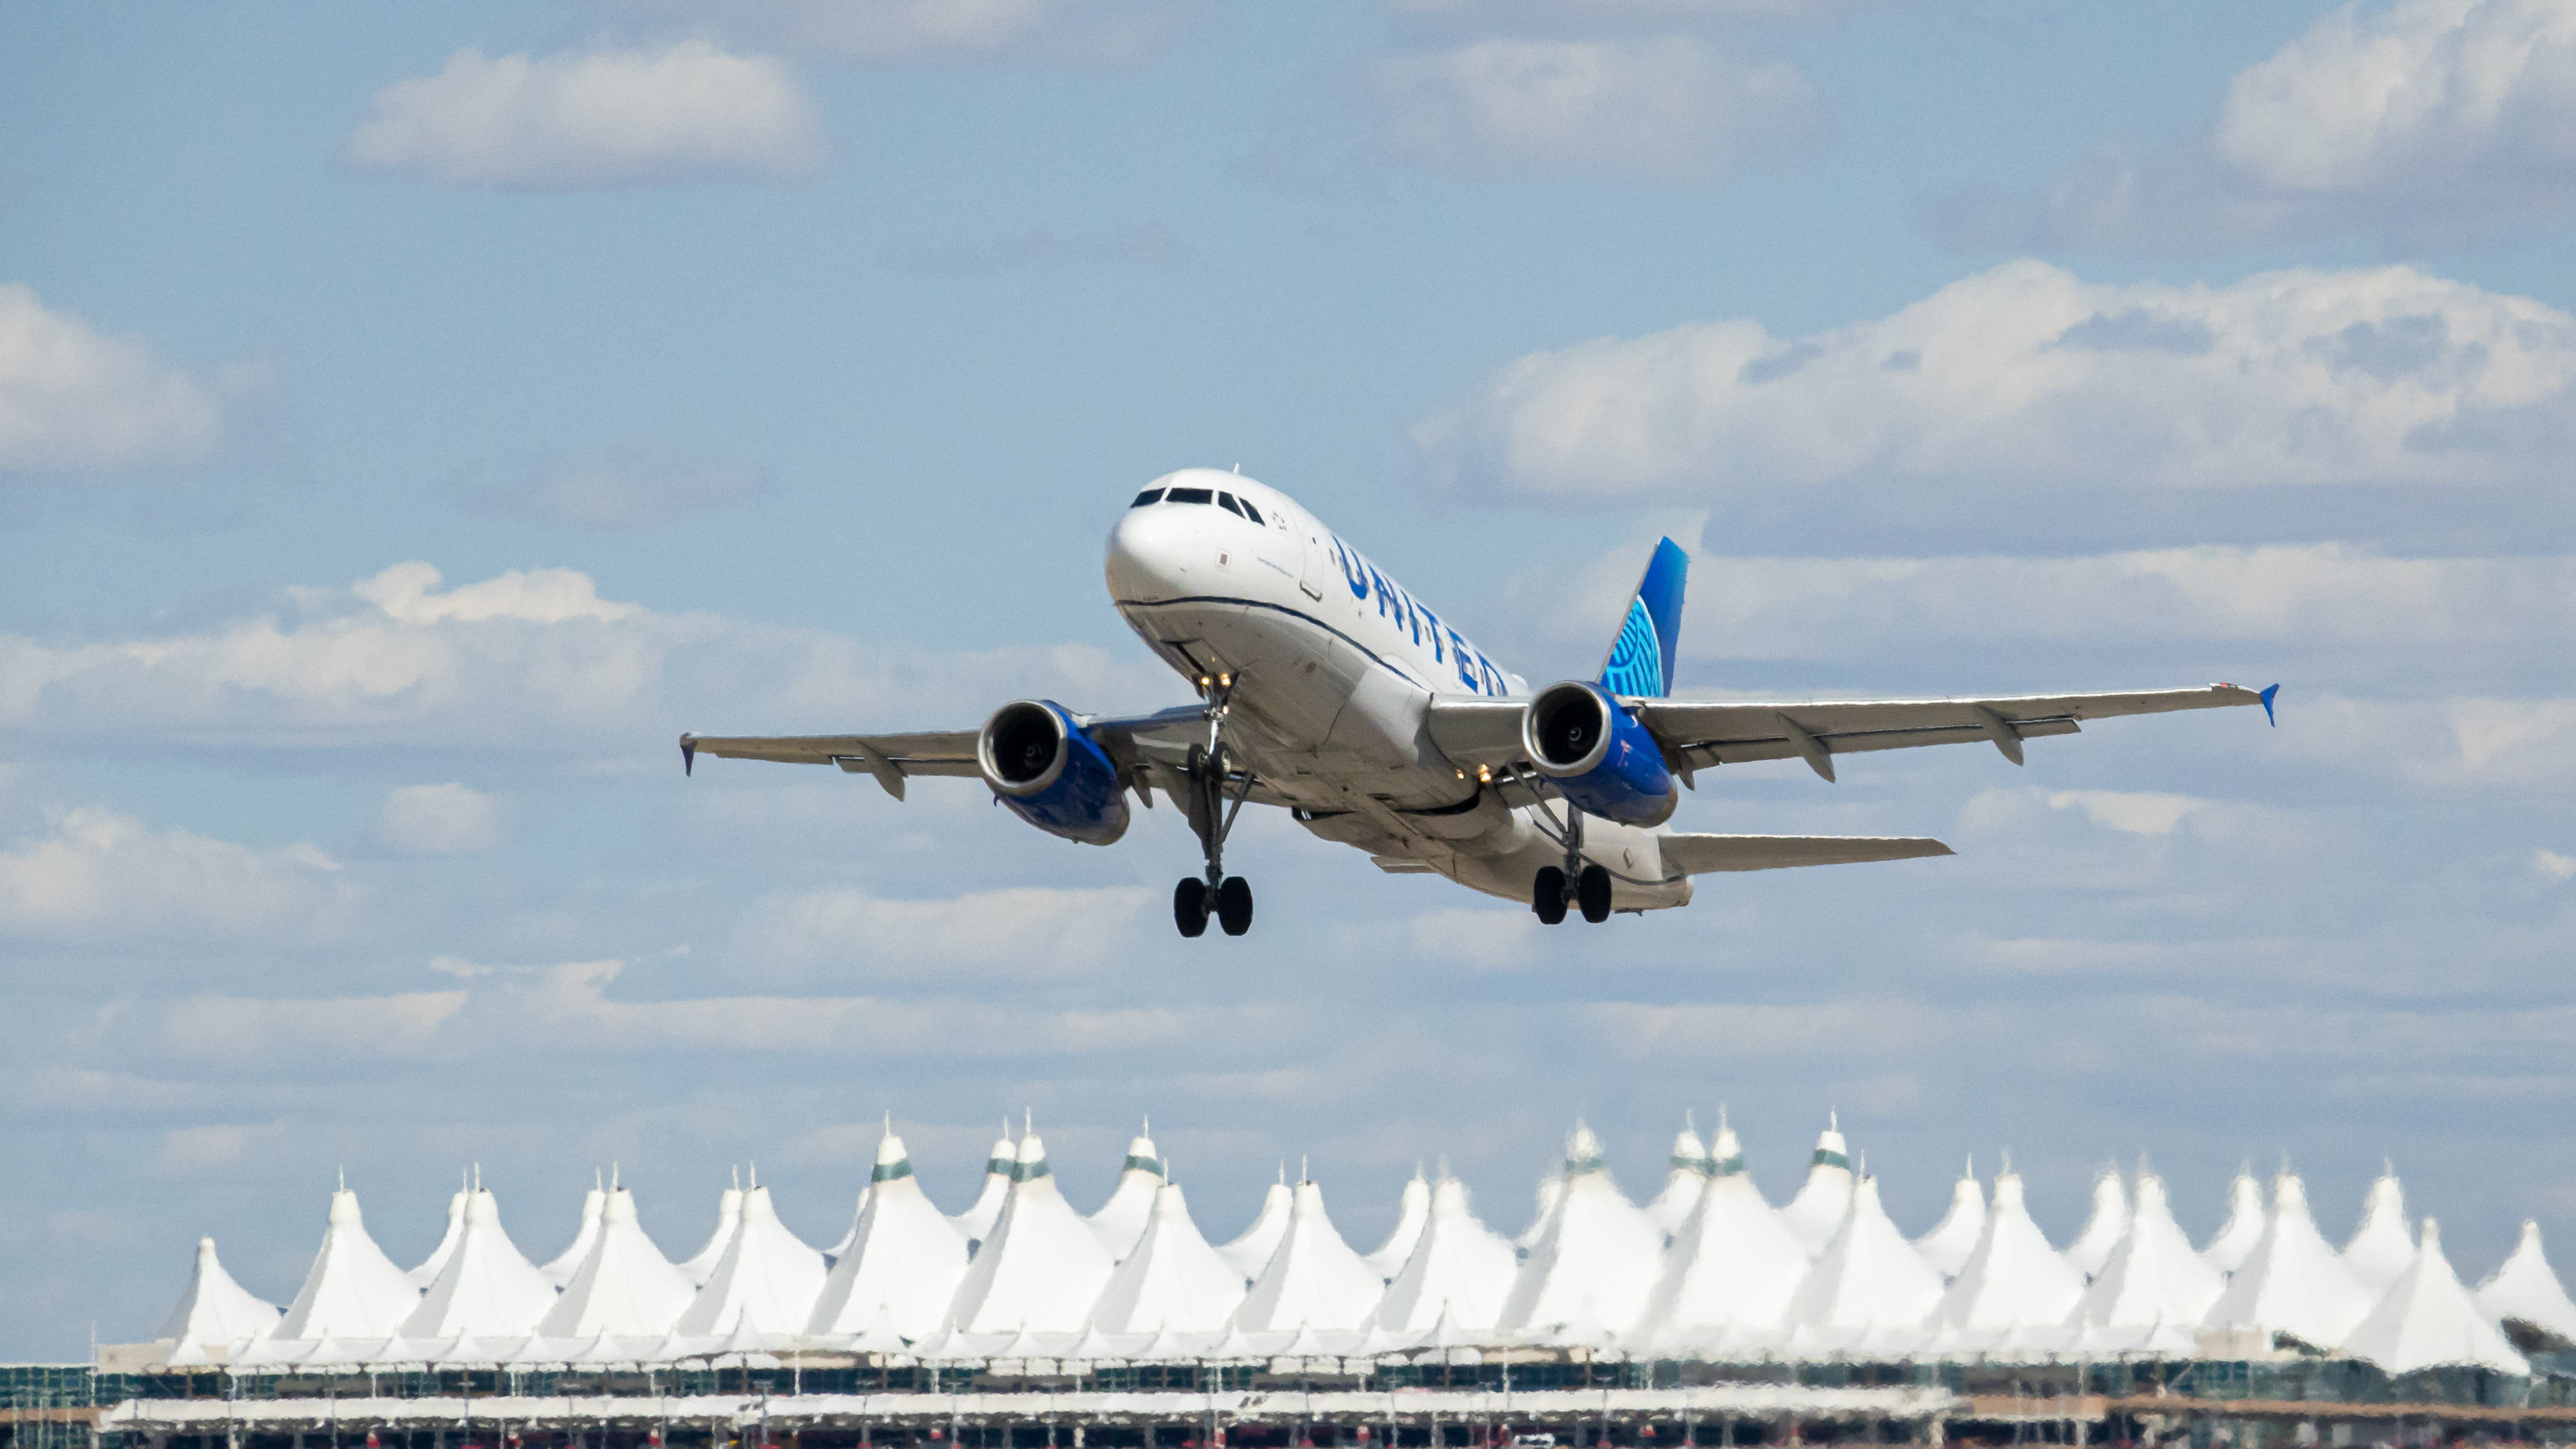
850 1234
488 1289
2104 1229
1412 1210
1732 1264
2152 1278
1313 1279
430 1267
2234 1241
213 1311
1121 1220
2381 1248
2427 1320
2293 1282
1685 1173
702 1266
353 1290
1459 1273
1171 1281
624 1285
976 1223
765 1283
2014 1279
1250 1253
2524 1288
1867 1278
903 1261
1596 1260
1816 1213
1550 1188
568 1262
1042 1268
1953 1238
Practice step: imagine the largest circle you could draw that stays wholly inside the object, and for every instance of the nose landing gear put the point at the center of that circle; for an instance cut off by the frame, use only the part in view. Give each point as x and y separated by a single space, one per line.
1212 807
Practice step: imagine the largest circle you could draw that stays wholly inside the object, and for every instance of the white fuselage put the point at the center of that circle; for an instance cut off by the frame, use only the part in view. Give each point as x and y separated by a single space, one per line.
1334 665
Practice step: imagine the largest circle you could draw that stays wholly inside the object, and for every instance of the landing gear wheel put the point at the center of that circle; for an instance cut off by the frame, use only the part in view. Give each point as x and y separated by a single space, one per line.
1190 906
1234 906
1547 897
1592 892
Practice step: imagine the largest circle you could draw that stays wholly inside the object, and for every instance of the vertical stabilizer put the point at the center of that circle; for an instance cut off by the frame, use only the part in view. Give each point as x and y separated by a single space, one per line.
1641 658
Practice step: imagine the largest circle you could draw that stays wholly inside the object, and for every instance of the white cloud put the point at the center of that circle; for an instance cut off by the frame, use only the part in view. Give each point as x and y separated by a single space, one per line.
2027 374
605 118
72 401
2135 812
96 875
2550 865
623 490
185 1150
447 819
1594 16
1665 109
1083 34
1487 939
1022 933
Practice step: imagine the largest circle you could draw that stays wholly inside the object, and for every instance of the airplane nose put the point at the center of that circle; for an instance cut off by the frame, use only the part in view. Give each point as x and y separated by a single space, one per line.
1151 552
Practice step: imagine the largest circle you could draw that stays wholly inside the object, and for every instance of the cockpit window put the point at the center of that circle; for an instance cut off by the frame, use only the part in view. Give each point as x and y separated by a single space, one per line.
1226 502
1150 495
1190 495
1249 511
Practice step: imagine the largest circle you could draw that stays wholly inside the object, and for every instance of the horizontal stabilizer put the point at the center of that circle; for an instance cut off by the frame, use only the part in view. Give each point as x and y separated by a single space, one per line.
1707 854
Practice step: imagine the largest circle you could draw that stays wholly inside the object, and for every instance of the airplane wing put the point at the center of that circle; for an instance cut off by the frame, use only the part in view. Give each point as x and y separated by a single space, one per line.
1698 733
1708 854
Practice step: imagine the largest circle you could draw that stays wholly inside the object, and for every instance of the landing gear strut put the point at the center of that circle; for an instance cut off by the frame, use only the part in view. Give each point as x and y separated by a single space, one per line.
1585 886
1212 807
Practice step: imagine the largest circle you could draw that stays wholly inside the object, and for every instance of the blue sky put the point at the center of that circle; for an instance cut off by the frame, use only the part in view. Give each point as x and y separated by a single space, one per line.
410 420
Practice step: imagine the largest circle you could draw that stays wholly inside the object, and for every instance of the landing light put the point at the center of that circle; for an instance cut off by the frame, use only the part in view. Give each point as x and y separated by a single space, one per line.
1225 681
1485 773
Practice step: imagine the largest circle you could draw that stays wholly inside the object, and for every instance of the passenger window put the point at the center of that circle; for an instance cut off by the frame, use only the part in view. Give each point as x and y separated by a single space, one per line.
1150 495
1226 502
1190 495
1249 511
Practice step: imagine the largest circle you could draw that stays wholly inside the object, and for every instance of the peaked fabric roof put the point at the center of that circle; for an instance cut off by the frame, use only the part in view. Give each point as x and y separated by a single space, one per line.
353 1290
1250 1253
2103 1230
2293 1282
488 1288
1816 1213
2013 1279
1685 1173
1412 1210
624 1285
1550 1188
2152 1278
1121 1220
1313 1279
1732 1263
1459 1273
850 1234
1868 1277
1953 1238
213 1310
2427 1320
2524 1288
568 1262
1596 1260
1041 1269
903 1261
976 1223
765 1283
2381 1248
699 1268
1171 1281
2234 1241
430 1267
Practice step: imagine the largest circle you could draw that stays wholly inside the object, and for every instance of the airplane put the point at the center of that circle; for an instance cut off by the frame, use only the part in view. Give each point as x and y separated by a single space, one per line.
1329 690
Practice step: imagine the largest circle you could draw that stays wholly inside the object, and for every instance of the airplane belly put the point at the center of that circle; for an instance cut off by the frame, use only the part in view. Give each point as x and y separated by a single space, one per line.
1631 855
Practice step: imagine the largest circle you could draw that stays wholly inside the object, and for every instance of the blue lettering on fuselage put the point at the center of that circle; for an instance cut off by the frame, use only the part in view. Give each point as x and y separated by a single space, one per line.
1476 673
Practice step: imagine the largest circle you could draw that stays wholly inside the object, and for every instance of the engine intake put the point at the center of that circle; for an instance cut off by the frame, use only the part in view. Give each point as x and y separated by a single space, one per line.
1599 756
1051 773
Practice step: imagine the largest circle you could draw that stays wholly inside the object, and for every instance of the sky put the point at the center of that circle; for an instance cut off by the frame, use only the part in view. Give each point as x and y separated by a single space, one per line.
413 418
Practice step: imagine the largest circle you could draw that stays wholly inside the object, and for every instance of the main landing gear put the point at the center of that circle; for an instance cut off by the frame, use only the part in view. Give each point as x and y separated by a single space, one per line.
1211 807
1585 886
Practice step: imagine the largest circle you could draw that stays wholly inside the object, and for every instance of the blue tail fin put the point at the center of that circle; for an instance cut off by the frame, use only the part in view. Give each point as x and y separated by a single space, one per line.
1641 658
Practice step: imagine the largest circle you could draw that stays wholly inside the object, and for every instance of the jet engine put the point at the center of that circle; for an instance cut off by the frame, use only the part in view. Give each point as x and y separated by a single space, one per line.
1052 775
1598 755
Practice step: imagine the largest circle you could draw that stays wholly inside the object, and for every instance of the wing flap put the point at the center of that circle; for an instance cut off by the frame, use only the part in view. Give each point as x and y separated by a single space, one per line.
1710 854
1730 731
941 752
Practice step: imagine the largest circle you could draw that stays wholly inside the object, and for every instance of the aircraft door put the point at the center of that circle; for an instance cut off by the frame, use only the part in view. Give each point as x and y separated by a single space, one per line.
1307 537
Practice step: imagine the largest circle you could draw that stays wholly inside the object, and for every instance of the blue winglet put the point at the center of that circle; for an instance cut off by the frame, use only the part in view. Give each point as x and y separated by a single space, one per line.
2267 692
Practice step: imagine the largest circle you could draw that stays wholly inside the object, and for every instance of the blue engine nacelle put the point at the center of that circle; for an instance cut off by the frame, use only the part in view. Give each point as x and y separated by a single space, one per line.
1598 755
1051 774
